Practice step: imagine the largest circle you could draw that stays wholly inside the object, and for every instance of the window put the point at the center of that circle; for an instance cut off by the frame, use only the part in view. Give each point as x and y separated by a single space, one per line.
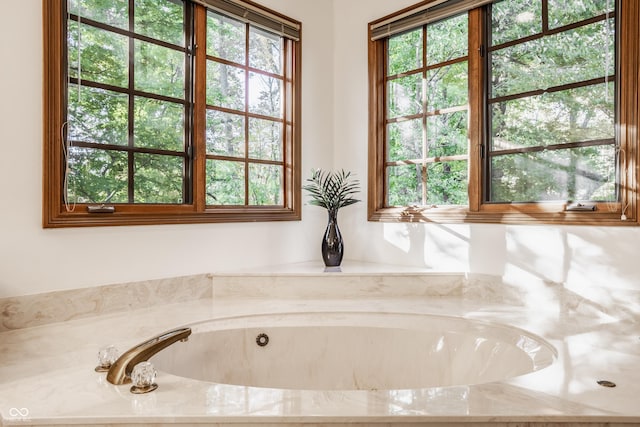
504 111
426 118
170 111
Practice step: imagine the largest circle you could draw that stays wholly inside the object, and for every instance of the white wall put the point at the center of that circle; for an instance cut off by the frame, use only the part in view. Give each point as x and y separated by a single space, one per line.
34 260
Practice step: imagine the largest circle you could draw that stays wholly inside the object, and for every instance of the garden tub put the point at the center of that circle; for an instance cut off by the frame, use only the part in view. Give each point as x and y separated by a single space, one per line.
354 351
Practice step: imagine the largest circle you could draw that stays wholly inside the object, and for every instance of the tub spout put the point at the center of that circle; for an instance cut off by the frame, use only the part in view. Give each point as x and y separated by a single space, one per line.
120 371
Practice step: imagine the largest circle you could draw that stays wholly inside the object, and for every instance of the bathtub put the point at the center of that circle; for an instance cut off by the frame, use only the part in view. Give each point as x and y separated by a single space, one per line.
354 351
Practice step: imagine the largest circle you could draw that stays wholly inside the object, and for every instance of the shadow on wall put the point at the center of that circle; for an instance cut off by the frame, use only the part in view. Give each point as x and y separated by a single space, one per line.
595 256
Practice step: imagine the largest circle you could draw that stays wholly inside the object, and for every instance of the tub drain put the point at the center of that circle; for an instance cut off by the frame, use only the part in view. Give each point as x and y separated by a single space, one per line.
262 340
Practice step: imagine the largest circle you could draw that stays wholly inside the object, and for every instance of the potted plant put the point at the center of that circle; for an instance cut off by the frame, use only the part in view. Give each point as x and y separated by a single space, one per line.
332 190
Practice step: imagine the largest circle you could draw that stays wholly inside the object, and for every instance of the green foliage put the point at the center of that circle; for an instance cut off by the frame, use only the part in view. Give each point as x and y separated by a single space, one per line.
225 183
160 20
332 190
455 31
448 183
158 179
405 185
104 55
265 185
226 131
101 117
571 115
159 70
421 129
585 173
111 12
405 52
97 176
158 124
225 86
265 51
447 86
265 139
225 38
419 141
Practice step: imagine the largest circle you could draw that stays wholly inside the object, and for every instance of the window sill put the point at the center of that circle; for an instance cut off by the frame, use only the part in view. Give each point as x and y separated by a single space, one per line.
154 215
508 214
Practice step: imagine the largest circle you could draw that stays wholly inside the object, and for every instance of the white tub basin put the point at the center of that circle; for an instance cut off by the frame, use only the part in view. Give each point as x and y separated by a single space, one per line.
354 351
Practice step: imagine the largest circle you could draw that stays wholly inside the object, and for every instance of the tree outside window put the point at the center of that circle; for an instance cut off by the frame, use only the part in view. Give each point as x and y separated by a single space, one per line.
506 113
166 111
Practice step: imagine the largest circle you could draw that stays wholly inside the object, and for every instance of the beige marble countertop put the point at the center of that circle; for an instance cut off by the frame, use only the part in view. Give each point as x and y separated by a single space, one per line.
47 377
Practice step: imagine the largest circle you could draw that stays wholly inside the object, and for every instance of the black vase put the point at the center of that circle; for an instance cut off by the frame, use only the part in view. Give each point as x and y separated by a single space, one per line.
332 247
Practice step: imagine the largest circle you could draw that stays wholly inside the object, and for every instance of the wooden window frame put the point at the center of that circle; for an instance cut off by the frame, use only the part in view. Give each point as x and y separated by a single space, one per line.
478 210
195 210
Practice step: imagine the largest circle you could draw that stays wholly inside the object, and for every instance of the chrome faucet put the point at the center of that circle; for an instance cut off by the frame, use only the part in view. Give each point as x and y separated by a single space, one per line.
120 371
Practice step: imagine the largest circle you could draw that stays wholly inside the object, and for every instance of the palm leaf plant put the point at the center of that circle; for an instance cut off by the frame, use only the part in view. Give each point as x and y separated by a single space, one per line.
332 190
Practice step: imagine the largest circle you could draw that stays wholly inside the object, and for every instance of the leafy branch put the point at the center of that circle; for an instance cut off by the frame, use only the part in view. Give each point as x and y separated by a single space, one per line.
332 190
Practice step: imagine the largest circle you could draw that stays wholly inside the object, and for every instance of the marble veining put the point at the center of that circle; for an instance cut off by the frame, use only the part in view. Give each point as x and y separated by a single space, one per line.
47 377
36 310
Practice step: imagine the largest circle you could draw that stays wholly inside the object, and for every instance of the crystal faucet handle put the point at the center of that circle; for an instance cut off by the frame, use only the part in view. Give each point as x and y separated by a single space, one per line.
143 378
106 357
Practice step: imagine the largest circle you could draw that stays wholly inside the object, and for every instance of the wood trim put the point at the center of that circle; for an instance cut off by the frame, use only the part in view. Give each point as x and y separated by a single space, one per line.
376 157
54 105
476 106
629 99
199 109
293 129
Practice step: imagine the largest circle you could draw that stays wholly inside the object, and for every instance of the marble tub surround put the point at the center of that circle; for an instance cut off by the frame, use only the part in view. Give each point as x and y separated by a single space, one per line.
40 309
48 370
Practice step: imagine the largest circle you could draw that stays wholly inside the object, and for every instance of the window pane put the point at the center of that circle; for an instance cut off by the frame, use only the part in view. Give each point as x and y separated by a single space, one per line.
404 140
225 182
114 12
158 179
225 134
265 51
265 184
515 19
265 139
97 116
159 70
447 183
97 176
405 185
225 86
564 12
265 94
447 86
581 54
447 134
575 115
585 173
447 39
160 19
225 38
405 52
405 96
158 124
104 55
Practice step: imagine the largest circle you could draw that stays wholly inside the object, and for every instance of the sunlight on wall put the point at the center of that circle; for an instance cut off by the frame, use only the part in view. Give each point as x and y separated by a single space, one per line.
440 247
540 251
